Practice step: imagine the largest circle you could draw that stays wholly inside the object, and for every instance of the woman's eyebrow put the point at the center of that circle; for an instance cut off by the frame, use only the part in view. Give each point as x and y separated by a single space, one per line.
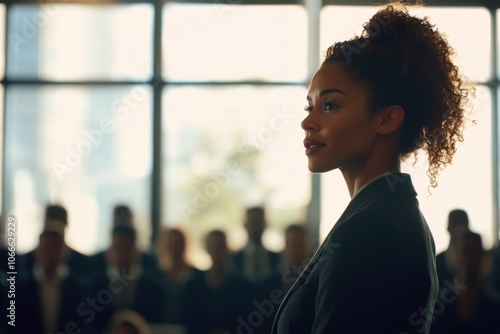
328 91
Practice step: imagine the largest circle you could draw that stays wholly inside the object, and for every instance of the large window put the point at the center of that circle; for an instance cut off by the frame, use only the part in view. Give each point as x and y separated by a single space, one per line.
190 111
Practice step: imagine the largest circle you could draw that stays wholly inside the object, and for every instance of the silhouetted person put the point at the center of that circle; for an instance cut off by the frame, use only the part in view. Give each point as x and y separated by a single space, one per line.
472 308
458 224
254 262
128 288
294 258
123 217
175 271
47 302
215 299
56 219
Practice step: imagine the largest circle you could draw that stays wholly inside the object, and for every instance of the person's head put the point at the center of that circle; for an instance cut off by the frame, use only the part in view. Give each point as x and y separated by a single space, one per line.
296 245
216 246
122 216
56 218
469 251
127 322
384 95
123 251
171 246
458 220
255 223
50 251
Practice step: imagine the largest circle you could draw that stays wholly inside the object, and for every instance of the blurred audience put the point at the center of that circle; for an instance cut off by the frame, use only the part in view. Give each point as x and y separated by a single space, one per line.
127 322
254 262
458 224
123 290
124 286
175 271
47 301
56 220
470 307
123 217
215 299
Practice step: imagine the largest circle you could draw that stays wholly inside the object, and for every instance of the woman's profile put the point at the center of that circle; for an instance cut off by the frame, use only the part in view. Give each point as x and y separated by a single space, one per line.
376 100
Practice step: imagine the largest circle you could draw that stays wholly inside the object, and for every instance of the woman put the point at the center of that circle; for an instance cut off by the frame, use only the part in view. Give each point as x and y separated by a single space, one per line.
377 99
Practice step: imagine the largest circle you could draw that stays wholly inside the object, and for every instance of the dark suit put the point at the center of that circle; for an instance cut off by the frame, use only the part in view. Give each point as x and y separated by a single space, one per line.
99 265
77 263
147 299
238 264
29 308
374 273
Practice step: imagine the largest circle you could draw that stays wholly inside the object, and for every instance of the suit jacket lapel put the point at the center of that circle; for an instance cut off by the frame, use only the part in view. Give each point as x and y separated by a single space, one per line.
388 184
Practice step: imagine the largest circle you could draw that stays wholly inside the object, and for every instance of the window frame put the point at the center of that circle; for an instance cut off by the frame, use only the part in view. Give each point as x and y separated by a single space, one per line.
158 83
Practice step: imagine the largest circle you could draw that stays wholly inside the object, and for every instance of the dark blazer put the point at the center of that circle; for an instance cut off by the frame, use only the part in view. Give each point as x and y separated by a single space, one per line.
374 273
208 309
148 300
29 308
99 265
77 263
238 263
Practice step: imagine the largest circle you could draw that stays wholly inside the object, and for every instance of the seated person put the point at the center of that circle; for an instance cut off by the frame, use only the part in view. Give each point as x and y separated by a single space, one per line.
215 299
48 301
123 217
254 262
175 271
469 307
124 287
56 219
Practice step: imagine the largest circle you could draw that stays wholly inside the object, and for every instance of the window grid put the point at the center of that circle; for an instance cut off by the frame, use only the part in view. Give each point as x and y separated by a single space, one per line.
157 83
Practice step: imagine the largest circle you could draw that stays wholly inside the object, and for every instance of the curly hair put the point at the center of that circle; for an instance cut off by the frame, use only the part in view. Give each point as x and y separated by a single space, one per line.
406 61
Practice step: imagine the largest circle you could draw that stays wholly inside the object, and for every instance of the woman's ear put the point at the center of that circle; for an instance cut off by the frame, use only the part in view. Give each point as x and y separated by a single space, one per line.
390 119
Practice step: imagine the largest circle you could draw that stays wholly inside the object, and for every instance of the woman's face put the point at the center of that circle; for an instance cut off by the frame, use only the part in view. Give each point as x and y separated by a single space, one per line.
340 129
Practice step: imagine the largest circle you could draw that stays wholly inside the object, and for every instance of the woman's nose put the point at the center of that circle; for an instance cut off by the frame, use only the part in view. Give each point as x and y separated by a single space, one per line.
309 123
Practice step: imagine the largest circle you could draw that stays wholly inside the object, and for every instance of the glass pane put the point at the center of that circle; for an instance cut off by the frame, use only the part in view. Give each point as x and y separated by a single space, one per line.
498 43
2 40
472 41
466 184
227 42
80 42
88 148
228 148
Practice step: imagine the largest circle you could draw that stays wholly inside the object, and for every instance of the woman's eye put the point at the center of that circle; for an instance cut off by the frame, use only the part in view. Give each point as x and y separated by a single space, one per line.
308 108
330 106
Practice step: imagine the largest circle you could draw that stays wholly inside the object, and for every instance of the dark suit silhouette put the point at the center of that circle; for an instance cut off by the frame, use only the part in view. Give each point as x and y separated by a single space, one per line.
374 273
29 307
238 263
148 300
99 265
77 263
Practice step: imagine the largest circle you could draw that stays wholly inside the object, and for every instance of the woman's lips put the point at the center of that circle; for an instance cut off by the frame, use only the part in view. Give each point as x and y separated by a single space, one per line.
312 146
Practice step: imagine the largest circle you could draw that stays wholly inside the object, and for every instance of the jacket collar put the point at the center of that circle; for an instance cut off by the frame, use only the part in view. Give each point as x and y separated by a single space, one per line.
383 185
